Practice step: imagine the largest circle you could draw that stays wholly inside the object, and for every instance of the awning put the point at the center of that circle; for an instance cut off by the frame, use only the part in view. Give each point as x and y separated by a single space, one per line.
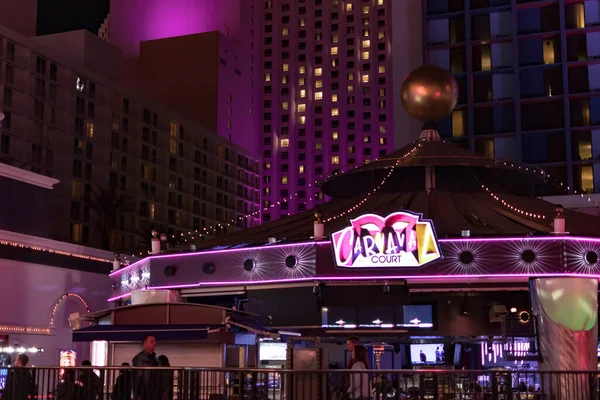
135 333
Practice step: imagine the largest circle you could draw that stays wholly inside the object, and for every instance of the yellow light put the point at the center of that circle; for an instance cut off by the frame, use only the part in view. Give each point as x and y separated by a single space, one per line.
318 71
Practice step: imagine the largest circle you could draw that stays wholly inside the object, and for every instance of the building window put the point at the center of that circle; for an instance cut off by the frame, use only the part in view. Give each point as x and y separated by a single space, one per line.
285 143
334 51
284 180
301 107
89 129
318 95
335 160
76 232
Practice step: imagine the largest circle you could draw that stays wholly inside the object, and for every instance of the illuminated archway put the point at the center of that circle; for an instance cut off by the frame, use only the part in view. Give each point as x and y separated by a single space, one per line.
60 300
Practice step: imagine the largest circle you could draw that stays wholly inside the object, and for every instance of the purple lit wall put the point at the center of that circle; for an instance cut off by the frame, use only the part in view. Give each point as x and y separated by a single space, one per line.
33 289
134 21
467 259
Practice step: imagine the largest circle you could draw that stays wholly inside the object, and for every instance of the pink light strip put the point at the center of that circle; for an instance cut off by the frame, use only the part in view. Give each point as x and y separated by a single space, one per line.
264 247
364 278
123 296
328 242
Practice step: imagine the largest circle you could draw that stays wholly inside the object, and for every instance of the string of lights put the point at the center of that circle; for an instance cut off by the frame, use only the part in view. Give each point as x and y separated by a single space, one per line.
556 182
53 251
62 298
376 189
212 230
506 204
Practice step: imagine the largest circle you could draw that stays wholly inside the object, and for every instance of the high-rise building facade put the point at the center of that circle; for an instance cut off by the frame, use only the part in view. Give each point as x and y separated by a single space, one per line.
529 81
65 121
321 78
327 93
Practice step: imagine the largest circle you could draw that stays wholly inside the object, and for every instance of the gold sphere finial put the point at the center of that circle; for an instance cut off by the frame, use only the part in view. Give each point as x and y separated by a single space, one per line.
429 93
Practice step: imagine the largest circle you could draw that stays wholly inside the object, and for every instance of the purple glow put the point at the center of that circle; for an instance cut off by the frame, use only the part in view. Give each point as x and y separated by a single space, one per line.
265 247
328 242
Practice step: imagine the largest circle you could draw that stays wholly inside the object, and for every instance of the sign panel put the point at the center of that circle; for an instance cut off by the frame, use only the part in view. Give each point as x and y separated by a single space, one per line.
401 239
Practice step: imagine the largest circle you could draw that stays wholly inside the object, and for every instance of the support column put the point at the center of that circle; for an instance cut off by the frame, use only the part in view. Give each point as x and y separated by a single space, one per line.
566 316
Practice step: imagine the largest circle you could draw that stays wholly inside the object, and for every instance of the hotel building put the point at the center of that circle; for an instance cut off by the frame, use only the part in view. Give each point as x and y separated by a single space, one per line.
63 118
529 81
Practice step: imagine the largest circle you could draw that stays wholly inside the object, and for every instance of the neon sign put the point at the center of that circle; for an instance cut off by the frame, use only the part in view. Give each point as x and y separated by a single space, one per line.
401 239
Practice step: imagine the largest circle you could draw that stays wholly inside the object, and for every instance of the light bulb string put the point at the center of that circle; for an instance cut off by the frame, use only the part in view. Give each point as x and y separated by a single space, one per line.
505 203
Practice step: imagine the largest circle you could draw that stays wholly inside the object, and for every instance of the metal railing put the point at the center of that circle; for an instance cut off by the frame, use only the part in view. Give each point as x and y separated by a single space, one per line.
276 384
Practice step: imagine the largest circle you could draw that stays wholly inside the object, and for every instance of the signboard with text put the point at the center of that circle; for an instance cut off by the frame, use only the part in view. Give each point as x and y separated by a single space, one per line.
401 239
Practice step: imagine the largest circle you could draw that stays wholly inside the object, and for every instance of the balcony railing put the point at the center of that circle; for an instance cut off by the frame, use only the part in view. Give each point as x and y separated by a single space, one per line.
262 384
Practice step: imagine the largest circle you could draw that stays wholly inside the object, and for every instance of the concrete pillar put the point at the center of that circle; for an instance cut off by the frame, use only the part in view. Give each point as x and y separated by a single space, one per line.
566 315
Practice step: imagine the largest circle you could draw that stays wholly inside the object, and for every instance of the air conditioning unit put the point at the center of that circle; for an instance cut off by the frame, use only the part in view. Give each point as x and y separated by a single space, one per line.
498 312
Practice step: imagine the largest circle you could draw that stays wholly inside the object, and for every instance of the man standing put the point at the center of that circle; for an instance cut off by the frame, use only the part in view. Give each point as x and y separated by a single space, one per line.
144 382
352 342
19 382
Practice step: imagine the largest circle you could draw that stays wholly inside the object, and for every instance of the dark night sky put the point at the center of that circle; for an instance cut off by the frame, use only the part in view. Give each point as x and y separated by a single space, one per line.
56 16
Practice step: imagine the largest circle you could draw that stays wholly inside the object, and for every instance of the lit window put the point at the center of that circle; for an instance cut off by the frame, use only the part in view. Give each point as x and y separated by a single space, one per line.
348 7
351 76
365 9
350 149
301 82
267 191
459 118
285 67
586 177
302 93
268 165
173 146
365 55
367 139
382 129
285 105
380 35
319 146
350 88
284 31
382 69
76 189
301 69
301 107
152 210
76 232
381 103
89 129
267 77
302 21
302 120
382 141
284 180
319 84
318 71
284 79
366 32
366 44
285 142
301 169
335 136
335 112
382 92
335 39
174 128
334 51
365 78
365 21
334 98
379 2
335 62
335 159
318 95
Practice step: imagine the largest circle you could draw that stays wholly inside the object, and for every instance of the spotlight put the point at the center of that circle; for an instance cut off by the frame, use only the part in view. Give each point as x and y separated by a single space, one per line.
466 257
291 262
386 288
249 265
317 289
524 317
591 257
208 268
528 256
513 310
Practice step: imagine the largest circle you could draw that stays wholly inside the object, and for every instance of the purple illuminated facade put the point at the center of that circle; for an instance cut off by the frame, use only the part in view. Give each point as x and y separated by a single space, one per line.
464 260
318 81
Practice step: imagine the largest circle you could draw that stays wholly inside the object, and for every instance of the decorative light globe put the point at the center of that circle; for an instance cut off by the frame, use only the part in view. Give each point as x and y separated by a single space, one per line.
429 93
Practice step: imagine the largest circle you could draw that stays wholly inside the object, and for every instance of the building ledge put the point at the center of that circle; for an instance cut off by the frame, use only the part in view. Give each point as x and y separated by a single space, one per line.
22 175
